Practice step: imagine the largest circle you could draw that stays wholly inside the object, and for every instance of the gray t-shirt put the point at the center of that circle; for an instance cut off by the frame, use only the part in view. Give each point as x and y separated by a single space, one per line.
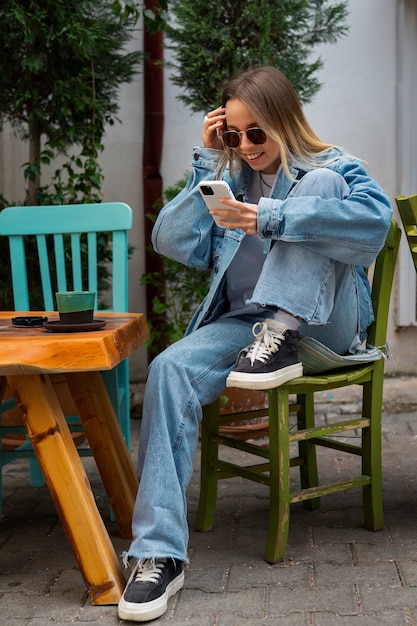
243 272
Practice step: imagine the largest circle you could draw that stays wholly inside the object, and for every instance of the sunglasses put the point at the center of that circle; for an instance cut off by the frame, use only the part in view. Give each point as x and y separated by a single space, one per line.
232 138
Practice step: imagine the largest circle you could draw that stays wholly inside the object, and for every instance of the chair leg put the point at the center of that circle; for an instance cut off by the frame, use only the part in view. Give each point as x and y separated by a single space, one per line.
208 481
307 449
279 507
372 454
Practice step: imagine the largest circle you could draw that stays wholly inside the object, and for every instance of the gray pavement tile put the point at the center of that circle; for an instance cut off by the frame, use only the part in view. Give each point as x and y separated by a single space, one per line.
211 619
412 615
408 569
377 598
208 579
401 528
29 584
19 608
282 574
245 604
349 535
220 538
294 619
102 615
386 618
336 553
340 599
398 551
326 573
212 557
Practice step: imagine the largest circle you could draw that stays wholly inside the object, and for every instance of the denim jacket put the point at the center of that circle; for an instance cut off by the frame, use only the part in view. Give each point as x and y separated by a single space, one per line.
351 230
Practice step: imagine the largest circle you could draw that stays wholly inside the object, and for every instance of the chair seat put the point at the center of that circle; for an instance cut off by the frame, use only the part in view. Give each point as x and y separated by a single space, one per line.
328 380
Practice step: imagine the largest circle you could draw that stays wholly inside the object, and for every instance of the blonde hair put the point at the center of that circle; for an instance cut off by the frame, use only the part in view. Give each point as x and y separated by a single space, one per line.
272 100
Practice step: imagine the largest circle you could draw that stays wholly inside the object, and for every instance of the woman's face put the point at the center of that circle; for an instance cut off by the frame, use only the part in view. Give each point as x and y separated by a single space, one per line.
261 157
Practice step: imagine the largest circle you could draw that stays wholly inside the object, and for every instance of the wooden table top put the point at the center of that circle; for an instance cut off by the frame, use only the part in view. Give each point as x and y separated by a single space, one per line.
26 350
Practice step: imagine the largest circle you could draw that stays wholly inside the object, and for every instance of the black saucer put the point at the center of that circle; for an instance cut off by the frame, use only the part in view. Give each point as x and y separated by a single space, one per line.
60 327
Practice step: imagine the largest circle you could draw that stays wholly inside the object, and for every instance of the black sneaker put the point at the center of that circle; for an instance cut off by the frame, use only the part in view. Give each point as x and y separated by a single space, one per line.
151 583
270 361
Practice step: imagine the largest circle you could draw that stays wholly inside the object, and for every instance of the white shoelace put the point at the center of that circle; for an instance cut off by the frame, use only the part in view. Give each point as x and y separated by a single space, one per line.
149 570
266 343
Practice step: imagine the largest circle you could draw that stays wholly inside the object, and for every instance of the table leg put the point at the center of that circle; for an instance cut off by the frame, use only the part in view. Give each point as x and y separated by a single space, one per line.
107 444
69 486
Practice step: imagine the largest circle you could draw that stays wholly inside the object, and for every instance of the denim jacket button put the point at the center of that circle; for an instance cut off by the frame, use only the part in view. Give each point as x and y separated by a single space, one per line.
196 156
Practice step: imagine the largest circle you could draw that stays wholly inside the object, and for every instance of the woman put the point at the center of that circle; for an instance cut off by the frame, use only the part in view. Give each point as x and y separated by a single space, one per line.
286 258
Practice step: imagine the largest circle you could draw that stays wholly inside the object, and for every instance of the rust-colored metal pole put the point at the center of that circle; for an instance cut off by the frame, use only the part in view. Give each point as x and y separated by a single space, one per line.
152 146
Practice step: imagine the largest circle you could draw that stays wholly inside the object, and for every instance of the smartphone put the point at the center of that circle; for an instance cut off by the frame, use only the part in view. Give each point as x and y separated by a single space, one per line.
213 190
29 321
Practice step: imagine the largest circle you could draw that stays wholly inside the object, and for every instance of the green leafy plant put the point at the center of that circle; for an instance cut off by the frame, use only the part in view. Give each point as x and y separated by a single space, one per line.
61 68
211 41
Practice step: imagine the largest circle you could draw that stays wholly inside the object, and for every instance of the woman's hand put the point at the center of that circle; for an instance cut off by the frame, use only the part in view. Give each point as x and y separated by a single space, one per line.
240 215
213 125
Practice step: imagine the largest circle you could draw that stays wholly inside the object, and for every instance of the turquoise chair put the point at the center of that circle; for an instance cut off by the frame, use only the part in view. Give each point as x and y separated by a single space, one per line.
64 236
303 433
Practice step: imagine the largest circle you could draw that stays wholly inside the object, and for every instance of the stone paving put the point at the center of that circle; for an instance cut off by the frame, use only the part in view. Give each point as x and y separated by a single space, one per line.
336 572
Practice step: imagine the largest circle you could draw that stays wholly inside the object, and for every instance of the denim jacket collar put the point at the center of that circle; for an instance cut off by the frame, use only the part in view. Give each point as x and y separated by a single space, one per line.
283 184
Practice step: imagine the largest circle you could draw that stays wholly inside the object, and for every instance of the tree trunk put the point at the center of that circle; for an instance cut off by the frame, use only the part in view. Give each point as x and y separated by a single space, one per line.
34 158
152 149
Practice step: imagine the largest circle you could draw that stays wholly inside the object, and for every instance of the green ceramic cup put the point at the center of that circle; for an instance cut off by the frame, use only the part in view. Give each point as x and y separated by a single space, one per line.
75 307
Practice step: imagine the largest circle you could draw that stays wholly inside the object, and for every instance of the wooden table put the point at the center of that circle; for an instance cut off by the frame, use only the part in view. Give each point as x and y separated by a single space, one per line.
27 356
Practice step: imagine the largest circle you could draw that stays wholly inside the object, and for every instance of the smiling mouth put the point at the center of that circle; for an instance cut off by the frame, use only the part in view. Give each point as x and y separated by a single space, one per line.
252 157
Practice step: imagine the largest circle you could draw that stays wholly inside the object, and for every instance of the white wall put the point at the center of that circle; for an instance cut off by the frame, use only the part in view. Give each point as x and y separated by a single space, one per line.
356 106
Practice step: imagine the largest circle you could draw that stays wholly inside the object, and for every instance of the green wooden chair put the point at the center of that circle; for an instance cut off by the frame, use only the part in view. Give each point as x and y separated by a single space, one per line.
407 207
273 470
65 239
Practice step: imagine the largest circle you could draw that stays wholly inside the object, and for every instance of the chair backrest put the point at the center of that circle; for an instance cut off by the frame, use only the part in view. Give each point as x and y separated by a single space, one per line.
407 207
67 240
382 281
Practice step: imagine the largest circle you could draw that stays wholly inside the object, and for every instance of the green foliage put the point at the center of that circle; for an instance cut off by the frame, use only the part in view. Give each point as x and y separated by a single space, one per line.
182 289
154 18
61 68
78 180
211 41
63 65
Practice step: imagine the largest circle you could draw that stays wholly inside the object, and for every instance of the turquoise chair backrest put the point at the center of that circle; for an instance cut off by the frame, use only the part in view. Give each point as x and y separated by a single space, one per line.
67 223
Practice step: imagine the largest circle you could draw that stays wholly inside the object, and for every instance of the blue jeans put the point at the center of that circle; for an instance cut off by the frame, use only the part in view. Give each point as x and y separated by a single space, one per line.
193 371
